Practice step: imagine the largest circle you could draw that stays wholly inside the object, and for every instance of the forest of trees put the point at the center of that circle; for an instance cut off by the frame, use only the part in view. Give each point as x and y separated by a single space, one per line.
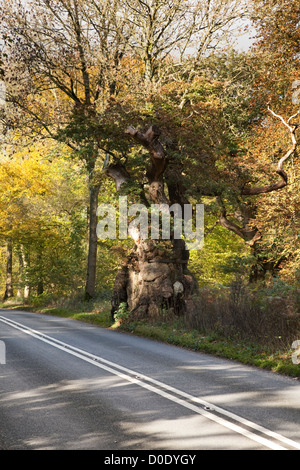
156 101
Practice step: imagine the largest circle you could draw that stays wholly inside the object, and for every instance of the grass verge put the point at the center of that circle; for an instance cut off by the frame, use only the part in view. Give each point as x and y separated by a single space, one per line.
172 332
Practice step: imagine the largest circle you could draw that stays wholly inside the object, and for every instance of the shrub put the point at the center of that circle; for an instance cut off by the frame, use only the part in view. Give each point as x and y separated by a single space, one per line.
268 315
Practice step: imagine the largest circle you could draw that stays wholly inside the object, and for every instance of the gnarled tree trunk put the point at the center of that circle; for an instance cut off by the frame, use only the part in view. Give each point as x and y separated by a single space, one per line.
151 283
155 277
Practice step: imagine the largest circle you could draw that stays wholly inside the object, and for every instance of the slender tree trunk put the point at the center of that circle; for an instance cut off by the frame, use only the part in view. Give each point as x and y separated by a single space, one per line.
92 249
148 70
26 292
26 263
9 277
23 281
40 283
21 273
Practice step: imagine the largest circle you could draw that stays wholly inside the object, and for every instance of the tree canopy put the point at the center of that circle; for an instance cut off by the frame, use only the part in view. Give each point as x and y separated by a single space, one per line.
148 99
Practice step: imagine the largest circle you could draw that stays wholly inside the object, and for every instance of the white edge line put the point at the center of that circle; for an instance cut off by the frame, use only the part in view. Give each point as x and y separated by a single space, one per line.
92 359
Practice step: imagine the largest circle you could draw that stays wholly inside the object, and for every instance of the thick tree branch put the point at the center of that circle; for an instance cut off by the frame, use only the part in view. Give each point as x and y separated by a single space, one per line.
248 233
150 141
118 173
249 236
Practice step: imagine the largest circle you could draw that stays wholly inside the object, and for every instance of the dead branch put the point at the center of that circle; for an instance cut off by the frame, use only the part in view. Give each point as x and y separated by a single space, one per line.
284 178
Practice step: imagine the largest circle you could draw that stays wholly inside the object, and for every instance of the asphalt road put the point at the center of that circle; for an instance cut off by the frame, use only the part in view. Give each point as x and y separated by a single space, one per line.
66 385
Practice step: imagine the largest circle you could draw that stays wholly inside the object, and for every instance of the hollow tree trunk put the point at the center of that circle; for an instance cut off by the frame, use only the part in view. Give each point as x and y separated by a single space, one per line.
155 278
156 284
153 282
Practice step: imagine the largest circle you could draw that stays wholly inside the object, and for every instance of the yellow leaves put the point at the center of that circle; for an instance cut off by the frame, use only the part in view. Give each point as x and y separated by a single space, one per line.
22 177
27 181
23 174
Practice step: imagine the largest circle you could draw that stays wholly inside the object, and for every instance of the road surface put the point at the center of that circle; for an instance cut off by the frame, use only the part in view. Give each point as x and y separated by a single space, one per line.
70 385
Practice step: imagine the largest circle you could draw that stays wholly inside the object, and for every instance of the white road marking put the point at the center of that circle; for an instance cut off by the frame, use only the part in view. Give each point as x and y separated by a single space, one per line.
187 400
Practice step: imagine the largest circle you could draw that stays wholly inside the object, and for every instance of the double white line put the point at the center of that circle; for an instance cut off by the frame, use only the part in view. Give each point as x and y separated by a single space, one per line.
235 423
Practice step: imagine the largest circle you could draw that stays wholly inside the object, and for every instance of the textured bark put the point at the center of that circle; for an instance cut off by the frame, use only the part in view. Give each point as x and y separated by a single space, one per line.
151 284
155 279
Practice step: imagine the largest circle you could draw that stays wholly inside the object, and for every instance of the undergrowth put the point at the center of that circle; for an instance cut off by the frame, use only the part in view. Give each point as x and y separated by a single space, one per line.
252 327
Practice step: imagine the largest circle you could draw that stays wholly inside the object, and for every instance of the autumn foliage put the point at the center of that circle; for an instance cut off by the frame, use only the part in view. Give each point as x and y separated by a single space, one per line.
104 100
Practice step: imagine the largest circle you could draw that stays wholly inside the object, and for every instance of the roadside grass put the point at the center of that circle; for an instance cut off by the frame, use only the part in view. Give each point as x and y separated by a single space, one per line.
248 353
95 313
171 331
